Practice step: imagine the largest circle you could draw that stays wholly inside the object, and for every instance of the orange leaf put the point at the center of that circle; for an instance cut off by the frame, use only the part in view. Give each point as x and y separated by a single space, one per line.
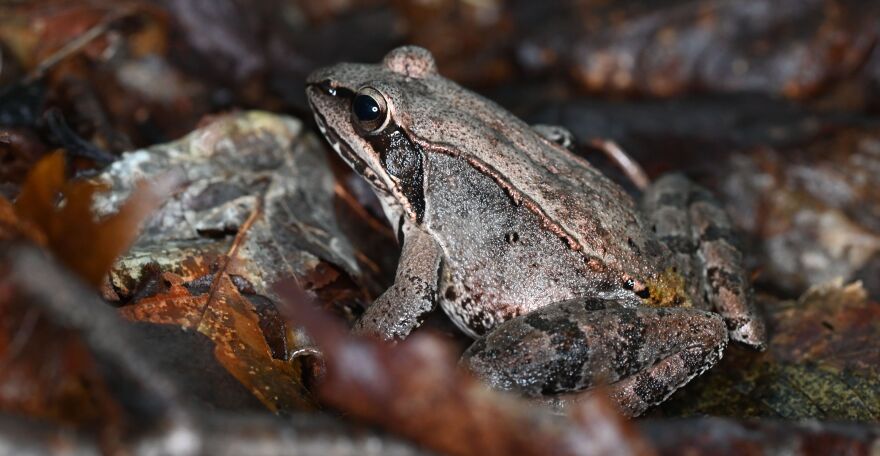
62 211
12 227
229 320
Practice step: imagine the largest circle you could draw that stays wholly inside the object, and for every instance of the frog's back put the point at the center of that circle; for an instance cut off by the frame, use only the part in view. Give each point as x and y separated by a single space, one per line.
583 208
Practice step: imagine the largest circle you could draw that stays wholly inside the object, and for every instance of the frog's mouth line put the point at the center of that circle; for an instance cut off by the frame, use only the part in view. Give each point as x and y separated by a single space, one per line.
345 150
317 91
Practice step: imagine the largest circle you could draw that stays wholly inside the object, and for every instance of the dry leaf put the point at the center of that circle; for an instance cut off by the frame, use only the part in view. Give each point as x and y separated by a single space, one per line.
62 212
230 321
821 363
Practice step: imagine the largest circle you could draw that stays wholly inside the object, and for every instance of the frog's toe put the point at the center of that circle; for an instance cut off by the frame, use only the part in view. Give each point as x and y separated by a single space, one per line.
706 247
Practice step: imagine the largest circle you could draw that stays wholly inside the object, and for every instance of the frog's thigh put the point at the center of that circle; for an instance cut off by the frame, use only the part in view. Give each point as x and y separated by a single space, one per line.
693 224
666 204
645 354
401 308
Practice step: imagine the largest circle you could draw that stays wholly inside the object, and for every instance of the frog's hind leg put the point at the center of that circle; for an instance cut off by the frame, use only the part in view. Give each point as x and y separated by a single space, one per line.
643 354
696 229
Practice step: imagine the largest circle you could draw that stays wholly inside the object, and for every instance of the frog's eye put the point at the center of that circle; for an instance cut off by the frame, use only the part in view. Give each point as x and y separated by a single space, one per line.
369 110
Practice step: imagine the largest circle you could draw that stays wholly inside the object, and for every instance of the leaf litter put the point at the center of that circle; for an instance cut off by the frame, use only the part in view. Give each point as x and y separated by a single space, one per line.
256 201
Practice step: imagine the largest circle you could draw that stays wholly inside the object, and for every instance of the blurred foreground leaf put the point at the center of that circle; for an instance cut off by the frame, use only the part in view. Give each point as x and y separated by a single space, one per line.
415 390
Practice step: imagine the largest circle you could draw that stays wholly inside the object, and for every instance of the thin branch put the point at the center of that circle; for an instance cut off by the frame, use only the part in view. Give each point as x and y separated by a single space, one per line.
75 45
630 167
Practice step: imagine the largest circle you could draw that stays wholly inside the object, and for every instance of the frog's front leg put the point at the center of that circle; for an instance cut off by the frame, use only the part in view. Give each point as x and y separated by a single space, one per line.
644 354
401 307
704 243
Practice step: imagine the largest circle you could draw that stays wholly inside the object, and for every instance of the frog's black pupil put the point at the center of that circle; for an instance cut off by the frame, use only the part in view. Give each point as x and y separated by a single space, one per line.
366 108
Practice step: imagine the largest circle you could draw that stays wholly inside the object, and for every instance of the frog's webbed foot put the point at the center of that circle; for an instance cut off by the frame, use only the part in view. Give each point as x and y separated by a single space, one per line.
643 354
401 307
695 227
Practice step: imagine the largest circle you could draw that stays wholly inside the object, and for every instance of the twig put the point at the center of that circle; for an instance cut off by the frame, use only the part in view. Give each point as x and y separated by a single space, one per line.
75 45
633 170
230 255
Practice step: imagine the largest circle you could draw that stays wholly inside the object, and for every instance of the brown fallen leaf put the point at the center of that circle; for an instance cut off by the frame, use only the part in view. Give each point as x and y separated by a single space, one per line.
416 391
258 205
230 321
822 363
50 207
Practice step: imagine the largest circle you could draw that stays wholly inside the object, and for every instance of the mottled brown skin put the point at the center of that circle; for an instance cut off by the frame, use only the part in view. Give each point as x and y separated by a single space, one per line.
563 279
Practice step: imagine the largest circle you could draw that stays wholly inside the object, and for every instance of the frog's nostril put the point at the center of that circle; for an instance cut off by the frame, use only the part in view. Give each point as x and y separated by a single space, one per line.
327 88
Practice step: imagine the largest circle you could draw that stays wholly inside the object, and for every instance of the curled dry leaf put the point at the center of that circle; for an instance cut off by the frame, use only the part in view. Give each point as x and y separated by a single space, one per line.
257 204
415 390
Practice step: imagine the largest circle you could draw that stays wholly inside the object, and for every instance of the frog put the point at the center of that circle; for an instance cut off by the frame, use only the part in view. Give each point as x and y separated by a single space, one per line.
566 282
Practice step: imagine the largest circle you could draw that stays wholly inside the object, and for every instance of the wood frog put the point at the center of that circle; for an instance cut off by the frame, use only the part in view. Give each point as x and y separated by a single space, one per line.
563 279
